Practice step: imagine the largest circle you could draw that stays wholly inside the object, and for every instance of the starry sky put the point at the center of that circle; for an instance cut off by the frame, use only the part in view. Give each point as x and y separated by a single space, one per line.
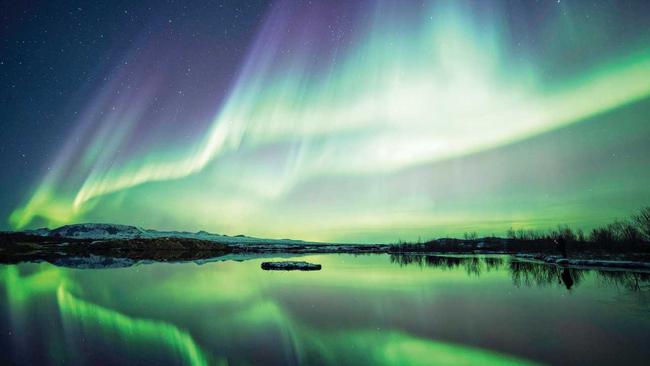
365 121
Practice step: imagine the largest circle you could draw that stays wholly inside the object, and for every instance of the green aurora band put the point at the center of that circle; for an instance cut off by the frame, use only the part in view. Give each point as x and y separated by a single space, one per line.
354 147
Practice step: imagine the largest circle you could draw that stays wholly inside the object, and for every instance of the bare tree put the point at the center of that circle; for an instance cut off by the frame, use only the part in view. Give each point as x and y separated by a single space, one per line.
642 222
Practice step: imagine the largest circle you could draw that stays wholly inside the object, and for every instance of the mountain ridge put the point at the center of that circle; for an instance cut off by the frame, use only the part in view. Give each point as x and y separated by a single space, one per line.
103 231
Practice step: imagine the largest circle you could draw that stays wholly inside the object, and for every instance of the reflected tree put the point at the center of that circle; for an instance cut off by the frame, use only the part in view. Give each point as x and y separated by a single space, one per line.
527 273
473 265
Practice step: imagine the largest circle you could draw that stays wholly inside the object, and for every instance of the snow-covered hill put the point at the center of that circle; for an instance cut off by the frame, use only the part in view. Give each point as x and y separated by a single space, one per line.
114 231
97 231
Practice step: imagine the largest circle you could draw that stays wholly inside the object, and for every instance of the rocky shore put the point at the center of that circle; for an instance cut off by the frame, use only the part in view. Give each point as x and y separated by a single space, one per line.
71 244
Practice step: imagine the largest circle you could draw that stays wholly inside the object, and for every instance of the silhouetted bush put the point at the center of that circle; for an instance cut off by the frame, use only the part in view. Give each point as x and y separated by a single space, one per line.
601 235
565 233
642 221
471 236
617 232
523 234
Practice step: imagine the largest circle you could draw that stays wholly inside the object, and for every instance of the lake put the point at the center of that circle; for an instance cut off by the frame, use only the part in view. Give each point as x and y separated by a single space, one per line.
358 310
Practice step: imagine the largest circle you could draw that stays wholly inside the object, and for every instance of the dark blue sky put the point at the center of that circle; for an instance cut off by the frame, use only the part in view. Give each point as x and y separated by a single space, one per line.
53 53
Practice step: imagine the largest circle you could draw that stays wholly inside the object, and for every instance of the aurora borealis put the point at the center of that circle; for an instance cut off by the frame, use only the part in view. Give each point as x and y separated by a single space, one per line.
352 121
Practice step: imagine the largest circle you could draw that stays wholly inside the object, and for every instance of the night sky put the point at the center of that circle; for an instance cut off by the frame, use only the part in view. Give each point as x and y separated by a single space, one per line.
324 120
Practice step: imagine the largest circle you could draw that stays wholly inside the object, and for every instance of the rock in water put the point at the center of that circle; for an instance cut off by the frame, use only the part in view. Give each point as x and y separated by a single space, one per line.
290 266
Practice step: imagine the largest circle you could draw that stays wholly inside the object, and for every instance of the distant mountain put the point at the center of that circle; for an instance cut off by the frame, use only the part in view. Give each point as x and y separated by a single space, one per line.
113 231
97 231
38 232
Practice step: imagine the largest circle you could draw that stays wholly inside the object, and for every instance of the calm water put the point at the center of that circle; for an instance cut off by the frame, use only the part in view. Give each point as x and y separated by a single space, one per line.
371 309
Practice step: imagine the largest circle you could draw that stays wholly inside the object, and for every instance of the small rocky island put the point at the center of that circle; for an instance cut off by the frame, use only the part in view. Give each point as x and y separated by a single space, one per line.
290 266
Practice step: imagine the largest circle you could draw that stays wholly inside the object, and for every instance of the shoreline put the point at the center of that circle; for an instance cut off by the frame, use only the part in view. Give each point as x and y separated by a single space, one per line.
19 248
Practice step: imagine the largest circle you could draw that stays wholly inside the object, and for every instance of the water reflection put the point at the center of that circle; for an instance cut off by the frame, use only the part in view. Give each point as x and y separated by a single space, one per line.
539 274
371 309
110 324
567 278
526 273
252 327
473 265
